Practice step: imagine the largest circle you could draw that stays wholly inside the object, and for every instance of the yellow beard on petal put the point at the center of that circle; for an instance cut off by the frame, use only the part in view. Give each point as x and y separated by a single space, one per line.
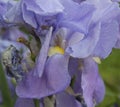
55 50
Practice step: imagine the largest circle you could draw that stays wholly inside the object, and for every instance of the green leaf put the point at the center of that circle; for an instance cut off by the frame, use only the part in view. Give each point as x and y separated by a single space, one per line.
7 100
110 72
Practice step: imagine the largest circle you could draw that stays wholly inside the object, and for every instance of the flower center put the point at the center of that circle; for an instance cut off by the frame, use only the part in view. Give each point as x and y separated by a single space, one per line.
55 50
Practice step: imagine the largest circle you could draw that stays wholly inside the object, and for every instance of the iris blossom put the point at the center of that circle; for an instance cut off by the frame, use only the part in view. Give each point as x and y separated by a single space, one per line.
57 58
87 81
64 40
48 83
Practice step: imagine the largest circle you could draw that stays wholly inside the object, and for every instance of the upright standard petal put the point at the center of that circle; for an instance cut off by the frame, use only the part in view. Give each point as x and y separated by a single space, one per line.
76 16
29 17
105 10
41 60
41 7
85 47
107 40
32 9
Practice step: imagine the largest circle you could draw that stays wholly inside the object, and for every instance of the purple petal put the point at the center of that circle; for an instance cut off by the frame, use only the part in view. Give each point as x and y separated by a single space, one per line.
75 19
111 12
105 10
29 17
75 38
77 83
9 37
24 102
54 79
85 47
90 80
43 8
39 8
13 33
117 45
14 14
40 63
65 100
99 90
75 72
107 40
3 8
73 66
50 6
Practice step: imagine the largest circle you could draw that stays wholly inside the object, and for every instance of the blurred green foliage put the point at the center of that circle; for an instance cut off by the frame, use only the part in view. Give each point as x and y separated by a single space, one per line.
110 72
7 99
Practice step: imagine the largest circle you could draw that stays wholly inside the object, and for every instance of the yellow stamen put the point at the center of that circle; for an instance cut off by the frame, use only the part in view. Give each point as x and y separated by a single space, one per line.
23 40
28 44
55 50
97 60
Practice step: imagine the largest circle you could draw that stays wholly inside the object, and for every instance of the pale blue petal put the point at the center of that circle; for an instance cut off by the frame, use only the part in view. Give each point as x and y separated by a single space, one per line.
55 79
41 60
65 100
90 80
86 46
107 40
76 17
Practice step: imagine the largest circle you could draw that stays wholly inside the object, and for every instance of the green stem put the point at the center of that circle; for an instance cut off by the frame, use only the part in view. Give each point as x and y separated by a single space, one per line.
7 100
37 102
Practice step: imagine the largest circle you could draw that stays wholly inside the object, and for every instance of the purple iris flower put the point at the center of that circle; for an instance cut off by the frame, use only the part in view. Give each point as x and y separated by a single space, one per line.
47 83
42 73
71 32
45 68
87 81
